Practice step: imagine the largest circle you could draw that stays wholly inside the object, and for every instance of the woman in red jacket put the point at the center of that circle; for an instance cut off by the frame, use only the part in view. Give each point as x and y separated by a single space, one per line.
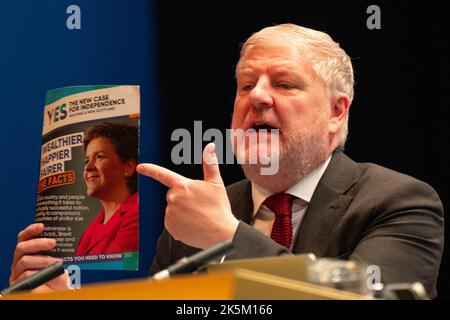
110 176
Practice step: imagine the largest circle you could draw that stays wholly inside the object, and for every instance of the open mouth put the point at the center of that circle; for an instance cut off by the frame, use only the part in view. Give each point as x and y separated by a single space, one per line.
263 126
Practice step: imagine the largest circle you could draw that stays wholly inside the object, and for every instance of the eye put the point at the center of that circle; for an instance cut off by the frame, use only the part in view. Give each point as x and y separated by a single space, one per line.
285 85
247 87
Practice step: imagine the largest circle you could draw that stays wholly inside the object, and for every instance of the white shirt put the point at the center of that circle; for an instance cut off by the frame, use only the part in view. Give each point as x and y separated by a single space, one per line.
263 217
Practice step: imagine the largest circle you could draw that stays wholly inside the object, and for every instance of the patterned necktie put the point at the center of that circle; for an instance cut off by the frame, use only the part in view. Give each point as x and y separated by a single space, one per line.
281 205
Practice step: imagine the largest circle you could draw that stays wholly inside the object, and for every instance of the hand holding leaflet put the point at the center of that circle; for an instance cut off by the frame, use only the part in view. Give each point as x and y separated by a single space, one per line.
37 279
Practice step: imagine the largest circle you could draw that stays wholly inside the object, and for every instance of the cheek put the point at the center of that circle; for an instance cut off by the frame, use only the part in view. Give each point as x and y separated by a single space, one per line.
290 117
114 172
300 115
105 170
239 113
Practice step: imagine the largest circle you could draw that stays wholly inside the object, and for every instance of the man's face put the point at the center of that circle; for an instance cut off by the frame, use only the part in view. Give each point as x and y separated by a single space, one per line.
104 171
277 88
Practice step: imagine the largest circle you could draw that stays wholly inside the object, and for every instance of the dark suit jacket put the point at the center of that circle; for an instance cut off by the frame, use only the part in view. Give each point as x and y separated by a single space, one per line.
358 211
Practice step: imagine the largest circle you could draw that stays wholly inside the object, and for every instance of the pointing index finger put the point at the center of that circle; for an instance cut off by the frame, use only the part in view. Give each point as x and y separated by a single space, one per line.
161 174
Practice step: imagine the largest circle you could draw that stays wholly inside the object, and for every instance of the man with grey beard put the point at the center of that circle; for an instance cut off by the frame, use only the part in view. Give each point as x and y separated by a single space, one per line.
295 86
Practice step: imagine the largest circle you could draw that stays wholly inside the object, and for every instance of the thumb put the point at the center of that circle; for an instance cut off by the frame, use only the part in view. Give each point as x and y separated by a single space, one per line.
211 172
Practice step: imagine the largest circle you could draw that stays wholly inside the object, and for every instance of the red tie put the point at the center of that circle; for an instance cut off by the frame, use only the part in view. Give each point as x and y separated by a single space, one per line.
281 205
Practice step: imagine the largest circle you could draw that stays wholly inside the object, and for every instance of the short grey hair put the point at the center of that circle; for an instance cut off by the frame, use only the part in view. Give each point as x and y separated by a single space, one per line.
327 58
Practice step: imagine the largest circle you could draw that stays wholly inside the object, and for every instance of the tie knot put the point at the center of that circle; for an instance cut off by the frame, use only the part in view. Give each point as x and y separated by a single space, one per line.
280 203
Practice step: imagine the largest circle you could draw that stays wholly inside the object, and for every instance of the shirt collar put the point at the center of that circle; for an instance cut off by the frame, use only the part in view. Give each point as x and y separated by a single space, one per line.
303 189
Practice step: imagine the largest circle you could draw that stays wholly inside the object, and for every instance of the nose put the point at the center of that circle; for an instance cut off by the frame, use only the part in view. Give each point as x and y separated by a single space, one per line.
89 165
260 96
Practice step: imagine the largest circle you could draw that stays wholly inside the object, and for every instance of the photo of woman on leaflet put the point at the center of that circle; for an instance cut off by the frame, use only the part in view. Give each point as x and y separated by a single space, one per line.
111 156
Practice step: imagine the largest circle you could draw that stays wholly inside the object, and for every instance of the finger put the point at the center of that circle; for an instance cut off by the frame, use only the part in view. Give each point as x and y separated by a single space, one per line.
22 276
61 282
163 175
56 284
32 246
211 172
32 231
32 262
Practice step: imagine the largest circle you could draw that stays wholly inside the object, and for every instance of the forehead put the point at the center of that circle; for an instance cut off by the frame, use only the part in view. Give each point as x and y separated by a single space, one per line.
273 57
99 144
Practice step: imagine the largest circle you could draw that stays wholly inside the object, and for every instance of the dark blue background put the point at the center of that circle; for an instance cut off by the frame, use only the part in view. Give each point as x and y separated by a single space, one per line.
37 53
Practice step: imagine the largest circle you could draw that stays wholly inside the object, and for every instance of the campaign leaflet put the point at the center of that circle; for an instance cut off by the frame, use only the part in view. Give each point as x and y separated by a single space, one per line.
88 193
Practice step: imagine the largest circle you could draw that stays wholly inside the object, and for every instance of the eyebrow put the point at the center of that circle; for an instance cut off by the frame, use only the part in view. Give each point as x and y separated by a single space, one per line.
97 152
297 76
246 71
276 71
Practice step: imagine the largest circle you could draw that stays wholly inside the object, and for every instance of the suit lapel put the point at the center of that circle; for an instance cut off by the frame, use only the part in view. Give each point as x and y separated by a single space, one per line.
240 196
328 204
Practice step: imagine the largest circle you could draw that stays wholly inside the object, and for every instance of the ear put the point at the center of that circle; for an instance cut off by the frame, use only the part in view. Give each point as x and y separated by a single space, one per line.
129 167
339 111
